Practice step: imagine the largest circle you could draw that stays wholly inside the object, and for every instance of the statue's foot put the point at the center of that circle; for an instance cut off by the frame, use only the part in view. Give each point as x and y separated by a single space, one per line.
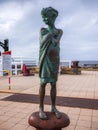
43 115
57 113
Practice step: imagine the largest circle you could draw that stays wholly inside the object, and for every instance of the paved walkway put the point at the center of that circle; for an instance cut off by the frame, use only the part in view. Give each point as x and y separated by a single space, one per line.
78 95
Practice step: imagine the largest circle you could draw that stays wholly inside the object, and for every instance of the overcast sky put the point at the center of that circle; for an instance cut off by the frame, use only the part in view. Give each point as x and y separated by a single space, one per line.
20 22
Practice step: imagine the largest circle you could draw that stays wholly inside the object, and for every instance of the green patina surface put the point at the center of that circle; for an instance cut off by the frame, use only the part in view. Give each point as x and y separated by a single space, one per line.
49 47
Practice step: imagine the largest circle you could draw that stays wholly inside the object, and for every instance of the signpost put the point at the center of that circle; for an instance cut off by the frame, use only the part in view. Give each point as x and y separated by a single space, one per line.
1 73
6 65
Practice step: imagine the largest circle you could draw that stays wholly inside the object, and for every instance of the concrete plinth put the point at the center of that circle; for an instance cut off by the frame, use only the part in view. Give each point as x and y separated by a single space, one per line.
51 124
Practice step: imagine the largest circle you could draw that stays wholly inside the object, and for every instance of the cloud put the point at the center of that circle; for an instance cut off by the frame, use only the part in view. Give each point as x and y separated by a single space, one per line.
20 22
10 14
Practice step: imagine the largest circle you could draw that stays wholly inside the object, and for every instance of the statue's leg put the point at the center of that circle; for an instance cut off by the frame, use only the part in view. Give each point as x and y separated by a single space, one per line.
53 94
53 100
41 107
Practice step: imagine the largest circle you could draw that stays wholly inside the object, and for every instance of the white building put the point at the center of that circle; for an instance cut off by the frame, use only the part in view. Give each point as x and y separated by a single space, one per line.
17 63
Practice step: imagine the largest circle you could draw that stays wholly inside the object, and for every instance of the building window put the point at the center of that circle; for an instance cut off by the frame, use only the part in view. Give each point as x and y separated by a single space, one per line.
13 66
18 66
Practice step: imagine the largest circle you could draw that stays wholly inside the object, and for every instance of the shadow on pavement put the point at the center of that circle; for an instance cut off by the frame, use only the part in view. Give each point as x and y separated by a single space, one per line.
61 101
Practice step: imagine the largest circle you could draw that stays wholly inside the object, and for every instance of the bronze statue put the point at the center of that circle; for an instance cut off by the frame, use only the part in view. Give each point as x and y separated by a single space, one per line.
49 59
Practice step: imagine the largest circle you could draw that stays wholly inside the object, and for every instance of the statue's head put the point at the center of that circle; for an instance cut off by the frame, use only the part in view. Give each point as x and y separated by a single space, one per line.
49 15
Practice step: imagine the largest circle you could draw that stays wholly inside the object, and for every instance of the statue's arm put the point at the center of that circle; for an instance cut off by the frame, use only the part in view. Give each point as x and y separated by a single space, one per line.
56 40
44 36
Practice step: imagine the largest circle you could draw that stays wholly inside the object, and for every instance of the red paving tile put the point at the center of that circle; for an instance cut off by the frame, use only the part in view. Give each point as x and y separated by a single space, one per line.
79 90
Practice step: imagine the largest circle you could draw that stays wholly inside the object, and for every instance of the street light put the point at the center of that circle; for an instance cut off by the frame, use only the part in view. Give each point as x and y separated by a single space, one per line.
5 45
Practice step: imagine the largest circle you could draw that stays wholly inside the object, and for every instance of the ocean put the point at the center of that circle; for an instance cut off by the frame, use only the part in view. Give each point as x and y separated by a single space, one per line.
82 63
89 63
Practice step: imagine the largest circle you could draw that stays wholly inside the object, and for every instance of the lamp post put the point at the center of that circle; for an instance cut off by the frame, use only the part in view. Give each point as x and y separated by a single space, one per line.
5 45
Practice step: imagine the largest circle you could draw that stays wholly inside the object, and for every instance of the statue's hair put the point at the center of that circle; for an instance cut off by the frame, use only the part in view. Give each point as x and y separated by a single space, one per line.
49 11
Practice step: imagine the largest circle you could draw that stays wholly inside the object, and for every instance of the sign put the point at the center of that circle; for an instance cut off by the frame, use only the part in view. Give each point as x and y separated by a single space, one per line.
6 60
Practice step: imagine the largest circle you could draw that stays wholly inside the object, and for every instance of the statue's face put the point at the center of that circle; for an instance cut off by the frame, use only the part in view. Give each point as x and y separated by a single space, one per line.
48 20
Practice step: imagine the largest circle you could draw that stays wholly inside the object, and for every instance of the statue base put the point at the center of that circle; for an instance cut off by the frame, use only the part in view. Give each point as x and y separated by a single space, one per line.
53 123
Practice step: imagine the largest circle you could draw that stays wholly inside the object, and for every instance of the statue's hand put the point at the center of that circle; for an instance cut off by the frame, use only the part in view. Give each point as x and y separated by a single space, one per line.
43 31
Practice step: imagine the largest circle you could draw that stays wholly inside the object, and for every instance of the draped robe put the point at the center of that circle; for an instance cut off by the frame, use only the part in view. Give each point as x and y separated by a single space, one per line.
48 57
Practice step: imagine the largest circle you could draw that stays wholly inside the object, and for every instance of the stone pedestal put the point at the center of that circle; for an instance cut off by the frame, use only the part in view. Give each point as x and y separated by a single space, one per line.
51 124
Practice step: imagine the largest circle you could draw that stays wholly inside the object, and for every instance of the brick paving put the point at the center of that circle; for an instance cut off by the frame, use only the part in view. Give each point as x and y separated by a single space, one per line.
14 114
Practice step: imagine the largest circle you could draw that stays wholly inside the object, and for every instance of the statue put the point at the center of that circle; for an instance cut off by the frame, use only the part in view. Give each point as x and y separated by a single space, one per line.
48 73
49 59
